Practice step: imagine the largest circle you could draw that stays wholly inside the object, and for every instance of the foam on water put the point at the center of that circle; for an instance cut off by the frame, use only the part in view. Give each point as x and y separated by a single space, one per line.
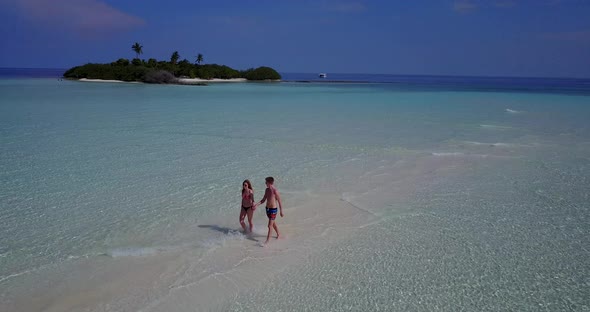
495 127
221 240
134 251
448 154
498 144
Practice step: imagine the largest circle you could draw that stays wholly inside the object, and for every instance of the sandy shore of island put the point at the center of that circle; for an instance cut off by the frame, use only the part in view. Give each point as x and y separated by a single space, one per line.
199 80
178 81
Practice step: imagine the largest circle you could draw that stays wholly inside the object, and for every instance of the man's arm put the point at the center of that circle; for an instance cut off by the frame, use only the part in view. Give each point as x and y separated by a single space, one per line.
263 199
279 200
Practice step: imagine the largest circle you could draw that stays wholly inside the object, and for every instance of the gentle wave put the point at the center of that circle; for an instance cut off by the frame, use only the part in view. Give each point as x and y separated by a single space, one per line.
459 154
448 154
230 235
349 198
496 127
498 144
3 278
133 252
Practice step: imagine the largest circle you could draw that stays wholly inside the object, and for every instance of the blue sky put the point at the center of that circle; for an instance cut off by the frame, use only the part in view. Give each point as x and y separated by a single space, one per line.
533 38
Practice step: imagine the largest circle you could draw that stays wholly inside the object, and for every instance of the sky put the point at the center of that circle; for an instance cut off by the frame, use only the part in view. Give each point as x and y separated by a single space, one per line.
526 38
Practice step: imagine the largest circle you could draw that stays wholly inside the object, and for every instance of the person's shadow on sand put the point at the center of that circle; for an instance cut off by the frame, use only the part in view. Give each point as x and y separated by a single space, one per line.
226 230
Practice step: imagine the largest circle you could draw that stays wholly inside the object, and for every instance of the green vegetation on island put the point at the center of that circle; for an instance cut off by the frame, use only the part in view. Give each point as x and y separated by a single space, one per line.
154 71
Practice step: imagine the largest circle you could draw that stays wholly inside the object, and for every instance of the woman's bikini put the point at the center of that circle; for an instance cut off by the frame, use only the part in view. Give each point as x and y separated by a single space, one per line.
246 196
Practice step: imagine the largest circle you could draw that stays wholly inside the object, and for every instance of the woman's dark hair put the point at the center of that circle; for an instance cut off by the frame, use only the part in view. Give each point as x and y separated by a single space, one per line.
249 185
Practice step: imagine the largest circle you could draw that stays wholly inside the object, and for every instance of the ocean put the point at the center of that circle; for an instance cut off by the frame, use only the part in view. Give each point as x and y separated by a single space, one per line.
401 193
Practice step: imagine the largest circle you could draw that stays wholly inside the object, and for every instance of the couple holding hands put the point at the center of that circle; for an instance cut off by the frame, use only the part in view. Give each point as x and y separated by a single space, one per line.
271 197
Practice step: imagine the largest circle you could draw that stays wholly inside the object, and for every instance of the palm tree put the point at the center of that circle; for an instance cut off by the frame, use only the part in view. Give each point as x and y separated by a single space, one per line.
137 48
174 58
199 58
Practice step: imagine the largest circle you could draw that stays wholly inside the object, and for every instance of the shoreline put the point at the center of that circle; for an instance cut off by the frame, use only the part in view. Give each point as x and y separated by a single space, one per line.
179 81
200 80
188 275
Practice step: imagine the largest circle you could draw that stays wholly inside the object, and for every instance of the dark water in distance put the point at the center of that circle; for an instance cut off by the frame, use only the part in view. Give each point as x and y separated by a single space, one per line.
418 82
459 83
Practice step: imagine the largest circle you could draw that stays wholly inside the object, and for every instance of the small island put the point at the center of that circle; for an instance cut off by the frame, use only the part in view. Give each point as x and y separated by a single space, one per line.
167 72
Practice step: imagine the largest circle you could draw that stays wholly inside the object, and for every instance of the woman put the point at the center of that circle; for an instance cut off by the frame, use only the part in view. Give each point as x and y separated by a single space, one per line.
247 205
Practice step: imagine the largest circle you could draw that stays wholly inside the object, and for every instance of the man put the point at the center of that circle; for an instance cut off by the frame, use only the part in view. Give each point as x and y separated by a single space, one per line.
271 196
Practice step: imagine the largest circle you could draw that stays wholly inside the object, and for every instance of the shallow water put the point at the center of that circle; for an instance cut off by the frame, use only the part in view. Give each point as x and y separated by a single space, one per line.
396 199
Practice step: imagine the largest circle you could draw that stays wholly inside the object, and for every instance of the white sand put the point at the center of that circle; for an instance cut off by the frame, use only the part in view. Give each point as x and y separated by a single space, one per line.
185 280
199 80
180 80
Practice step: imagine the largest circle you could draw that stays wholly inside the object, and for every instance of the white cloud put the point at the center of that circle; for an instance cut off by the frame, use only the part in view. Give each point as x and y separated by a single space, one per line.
82 16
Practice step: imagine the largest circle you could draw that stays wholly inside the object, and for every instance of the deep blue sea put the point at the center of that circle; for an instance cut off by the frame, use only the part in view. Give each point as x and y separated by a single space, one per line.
459 83
401 193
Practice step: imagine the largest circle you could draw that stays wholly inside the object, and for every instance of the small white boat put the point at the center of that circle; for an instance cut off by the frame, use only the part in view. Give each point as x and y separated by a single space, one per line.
323 75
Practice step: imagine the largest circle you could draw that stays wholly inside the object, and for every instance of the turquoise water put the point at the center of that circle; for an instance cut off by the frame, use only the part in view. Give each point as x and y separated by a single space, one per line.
475 200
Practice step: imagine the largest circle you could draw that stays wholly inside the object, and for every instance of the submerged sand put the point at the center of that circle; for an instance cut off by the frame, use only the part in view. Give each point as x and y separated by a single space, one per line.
187 279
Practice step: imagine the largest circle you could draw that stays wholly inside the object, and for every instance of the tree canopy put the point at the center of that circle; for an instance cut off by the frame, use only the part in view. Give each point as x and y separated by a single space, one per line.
138 49
174 58
154 71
